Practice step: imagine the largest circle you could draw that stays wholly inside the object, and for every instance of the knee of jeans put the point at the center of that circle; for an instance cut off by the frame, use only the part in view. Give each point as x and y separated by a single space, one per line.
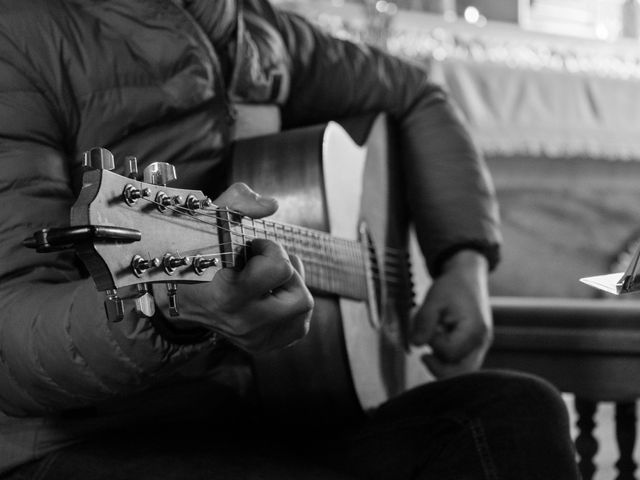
535 397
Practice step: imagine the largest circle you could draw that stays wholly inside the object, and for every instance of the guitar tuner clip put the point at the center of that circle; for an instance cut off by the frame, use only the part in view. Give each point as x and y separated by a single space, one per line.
56 239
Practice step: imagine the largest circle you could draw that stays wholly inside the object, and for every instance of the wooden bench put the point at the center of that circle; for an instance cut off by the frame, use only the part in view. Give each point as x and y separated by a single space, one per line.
588 347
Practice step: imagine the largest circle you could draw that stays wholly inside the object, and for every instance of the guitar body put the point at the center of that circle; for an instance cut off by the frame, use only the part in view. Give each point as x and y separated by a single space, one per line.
354 357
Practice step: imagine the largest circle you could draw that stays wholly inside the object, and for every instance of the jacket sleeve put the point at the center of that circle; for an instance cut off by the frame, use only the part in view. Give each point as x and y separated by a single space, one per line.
449 190
58 351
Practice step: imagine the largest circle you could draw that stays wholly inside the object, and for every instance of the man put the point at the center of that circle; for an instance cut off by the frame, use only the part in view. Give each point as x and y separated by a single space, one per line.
84 397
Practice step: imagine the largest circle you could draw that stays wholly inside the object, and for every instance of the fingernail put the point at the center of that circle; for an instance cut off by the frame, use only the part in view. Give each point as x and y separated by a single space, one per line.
267 201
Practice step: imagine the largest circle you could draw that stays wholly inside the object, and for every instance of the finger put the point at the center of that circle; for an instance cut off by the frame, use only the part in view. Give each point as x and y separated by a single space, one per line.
295 293
457 339
271 321
444 369
425 323
283 334
297 264
294 297
240 198
268 268
294 305
435 366
297 331
449 347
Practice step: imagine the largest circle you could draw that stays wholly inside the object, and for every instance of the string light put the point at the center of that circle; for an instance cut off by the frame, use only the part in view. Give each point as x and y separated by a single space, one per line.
471 14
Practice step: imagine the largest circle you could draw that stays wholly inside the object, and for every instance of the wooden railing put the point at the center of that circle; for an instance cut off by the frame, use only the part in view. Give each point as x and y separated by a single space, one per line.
587 347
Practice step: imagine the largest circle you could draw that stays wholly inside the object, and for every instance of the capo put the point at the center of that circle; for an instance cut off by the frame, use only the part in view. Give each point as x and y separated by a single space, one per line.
55 239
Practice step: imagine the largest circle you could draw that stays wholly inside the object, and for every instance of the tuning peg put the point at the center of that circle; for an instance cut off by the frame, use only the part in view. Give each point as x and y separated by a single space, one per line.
131 167
192 203
114 306
145 305
172 290
159 173
144 302
200 264
171 262
98 158
139 265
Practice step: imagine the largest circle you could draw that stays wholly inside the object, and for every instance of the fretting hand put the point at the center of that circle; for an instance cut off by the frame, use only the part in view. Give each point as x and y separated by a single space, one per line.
262 307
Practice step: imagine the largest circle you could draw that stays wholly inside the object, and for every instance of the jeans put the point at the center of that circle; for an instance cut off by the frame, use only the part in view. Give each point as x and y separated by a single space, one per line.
488 425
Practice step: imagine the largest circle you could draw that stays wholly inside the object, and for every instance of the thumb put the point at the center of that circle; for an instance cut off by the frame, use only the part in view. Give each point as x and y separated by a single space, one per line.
424 323
240 198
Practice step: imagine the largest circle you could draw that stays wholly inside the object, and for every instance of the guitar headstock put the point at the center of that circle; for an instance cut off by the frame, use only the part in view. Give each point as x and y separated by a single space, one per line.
183 236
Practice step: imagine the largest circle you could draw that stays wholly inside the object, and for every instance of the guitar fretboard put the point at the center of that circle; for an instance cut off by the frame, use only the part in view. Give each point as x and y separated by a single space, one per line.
332 265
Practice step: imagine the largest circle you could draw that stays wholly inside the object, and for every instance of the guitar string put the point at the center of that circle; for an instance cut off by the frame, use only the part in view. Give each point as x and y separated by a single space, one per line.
398 282
189 214
390 251
390 271
390 280
393 274
395 288
399 292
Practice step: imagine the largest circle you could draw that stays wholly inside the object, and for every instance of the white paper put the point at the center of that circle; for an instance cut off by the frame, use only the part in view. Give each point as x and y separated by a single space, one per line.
611 282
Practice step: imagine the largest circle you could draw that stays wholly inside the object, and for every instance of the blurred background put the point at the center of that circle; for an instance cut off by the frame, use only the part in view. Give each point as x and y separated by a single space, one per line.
551 91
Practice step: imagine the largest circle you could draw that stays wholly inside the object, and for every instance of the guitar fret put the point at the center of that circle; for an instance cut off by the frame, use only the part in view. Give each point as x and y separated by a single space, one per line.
244 242
290 240
258 231
318 248
344 279
254 229
350 260
330 260
325 251
331 264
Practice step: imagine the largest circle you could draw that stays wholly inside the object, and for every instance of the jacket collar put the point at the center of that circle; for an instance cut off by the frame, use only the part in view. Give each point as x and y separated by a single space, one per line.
218 18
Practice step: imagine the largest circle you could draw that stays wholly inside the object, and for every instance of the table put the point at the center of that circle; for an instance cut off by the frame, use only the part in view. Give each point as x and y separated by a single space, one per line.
588 347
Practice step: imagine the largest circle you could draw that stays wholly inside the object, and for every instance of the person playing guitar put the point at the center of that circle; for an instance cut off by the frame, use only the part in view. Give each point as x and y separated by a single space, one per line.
175 366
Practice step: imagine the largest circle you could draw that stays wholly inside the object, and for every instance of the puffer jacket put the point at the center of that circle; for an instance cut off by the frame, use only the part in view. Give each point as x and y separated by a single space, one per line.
159 78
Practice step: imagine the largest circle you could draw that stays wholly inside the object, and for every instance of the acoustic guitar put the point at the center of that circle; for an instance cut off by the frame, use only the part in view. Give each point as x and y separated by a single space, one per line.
341 211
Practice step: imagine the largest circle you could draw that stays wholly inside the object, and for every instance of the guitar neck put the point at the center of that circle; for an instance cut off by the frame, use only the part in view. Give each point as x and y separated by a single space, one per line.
332 265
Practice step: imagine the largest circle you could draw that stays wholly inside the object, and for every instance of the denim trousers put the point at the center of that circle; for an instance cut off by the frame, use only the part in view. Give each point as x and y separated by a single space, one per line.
487 425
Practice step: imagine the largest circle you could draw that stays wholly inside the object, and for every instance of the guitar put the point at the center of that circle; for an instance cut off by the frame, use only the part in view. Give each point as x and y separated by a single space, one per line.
341 180
340 212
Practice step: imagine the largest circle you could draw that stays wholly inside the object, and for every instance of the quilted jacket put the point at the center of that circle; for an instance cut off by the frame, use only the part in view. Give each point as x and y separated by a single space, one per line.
159 78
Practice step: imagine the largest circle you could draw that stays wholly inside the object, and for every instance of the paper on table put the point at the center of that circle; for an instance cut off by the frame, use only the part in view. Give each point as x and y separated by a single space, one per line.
611 282
621 282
